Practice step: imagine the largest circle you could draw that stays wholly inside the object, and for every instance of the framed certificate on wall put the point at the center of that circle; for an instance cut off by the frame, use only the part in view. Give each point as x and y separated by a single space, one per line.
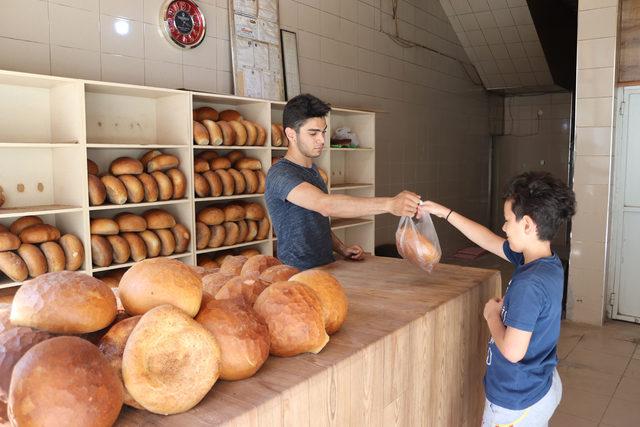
289 42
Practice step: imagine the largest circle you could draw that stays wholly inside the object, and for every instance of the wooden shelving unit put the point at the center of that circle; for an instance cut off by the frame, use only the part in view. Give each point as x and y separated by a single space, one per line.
52 125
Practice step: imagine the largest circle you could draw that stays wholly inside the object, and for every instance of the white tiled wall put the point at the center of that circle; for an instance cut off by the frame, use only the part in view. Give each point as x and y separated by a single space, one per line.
77 38
597 30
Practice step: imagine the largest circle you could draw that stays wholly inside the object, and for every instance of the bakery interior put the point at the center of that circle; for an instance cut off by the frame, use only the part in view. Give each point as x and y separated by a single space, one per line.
168 221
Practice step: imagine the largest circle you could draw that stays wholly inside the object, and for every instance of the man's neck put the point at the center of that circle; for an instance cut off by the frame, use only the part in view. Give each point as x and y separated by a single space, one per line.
537 251
295 156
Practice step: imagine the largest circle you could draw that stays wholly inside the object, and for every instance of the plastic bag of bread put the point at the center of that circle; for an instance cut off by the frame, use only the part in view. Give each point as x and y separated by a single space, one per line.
417 242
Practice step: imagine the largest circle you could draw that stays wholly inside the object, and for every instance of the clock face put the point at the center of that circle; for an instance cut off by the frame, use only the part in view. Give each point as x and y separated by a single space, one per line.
183 23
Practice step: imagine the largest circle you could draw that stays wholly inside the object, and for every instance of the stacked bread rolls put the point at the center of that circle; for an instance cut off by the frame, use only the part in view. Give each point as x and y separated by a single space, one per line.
226 128
133 237
231 224
227 175
154 176
278 137
30 248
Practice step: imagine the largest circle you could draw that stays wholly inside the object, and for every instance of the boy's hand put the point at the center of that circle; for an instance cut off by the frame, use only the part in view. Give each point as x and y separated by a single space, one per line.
492 308
354 252
404 204
433 208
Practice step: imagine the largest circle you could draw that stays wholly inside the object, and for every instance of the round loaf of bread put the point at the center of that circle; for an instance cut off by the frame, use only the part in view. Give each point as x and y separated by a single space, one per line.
170 361
128 222
179 182
252 132
91 391
228 134
126 166
203 234
235 155
201 186
54 255
97 191
416 248
253 268
211 216
15 342
254 211
182 237
220 163
215 183
101 252
208 155
242 288
262 135
13 266
119 248
92 167
116 191
275 160
208 263
278 273
34 259
163 162
200 165
233 265
158 219
293 313
215 133
276 136
205 113
137 246
324 176
231 231
249 163
112 346
263 229
252 230
228 115
242 336
65 302
234 212
5 314
150 186
218 234
104 226
243 231
262 182
331 294
251 181
73 252
168 242
151 154
212 283
8 241
250 252
200 134
240 130
20 224
135 189
157 281
228 185
239 184
285 139
152 243
165 186
39 233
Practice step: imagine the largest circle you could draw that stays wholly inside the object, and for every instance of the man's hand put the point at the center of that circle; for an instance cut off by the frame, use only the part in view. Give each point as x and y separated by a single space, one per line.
492 308
355 253
433 208
404 204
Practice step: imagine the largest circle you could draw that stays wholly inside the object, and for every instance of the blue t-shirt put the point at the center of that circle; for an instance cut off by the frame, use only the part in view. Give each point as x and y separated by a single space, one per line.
533 303
304 236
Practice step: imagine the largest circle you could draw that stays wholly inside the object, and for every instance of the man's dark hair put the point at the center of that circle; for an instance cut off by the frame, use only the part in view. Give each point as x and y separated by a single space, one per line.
544 198
301 108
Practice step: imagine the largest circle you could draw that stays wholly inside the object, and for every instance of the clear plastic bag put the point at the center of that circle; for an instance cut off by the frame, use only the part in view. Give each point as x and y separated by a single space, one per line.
417 242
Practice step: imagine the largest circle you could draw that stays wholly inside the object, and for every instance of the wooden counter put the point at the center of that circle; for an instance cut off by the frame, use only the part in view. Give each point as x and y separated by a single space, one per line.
411 353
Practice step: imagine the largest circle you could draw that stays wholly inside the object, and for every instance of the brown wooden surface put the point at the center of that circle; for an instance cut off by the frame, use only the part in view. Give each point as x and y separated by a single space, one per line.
411 352
629 55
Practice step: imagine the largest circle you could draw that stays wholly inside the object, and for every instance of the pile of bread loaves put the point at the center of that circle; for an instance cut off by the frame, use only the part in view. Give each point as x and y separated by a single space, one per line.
71 359
278 137
231 224
225 128
30 248
135 237
209 261
216 175
155 176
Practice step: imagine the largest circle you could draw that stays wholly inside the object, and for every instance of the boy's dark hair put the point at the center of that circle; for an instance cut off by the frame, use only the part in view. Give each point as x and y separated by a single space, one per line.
544 198
301 108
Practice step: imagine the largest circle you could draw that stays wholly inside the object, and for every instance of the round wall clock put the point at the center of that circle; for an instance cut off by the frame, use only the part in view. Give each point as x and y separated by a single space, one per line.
183 23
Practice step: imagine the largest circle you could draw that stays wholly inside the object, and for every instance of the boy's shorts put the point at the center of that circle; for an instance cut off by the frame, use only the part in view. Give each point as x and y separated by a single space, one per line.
537 415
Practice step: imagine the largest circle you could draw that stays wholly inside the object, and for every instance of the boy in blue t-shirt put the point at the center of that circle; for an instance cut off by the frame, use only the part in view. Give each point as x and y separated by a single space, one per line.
522 385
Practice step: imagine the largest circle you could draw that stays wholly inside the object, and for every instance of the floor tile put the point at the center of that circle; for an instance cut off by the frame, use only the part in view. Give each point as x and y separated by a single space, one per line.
636 355
601 342
566 346
633 369
583 404
607 363
622 413
583 378
628 389
560 419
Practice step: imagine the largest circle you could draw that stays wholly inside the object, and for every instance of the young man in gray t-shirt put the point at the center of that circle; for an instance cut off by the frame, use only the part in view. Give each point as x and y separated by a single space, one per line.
297 197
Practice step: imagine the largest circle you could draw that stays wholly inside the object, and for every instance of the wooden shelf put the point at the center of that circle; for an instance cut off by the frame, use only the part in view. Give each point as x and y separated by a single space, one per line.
231 147
129 264
138 205
280 148
38 210
224 248
38 144
226 198
338 224
360 150
138 146
7 284
341 187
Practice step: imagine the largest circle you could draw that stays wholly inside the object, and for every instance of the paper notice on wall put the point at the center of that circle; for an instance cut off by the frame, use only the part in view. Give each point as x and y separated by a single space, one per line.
246 27
275 61
253 83
268 10
246 7
268 32
271 86
245 53
261 56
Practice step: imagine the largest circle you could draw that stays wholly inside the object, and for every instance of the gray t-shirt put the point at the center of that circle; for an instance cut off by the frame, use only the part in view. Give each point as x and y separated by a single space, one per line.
304 236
